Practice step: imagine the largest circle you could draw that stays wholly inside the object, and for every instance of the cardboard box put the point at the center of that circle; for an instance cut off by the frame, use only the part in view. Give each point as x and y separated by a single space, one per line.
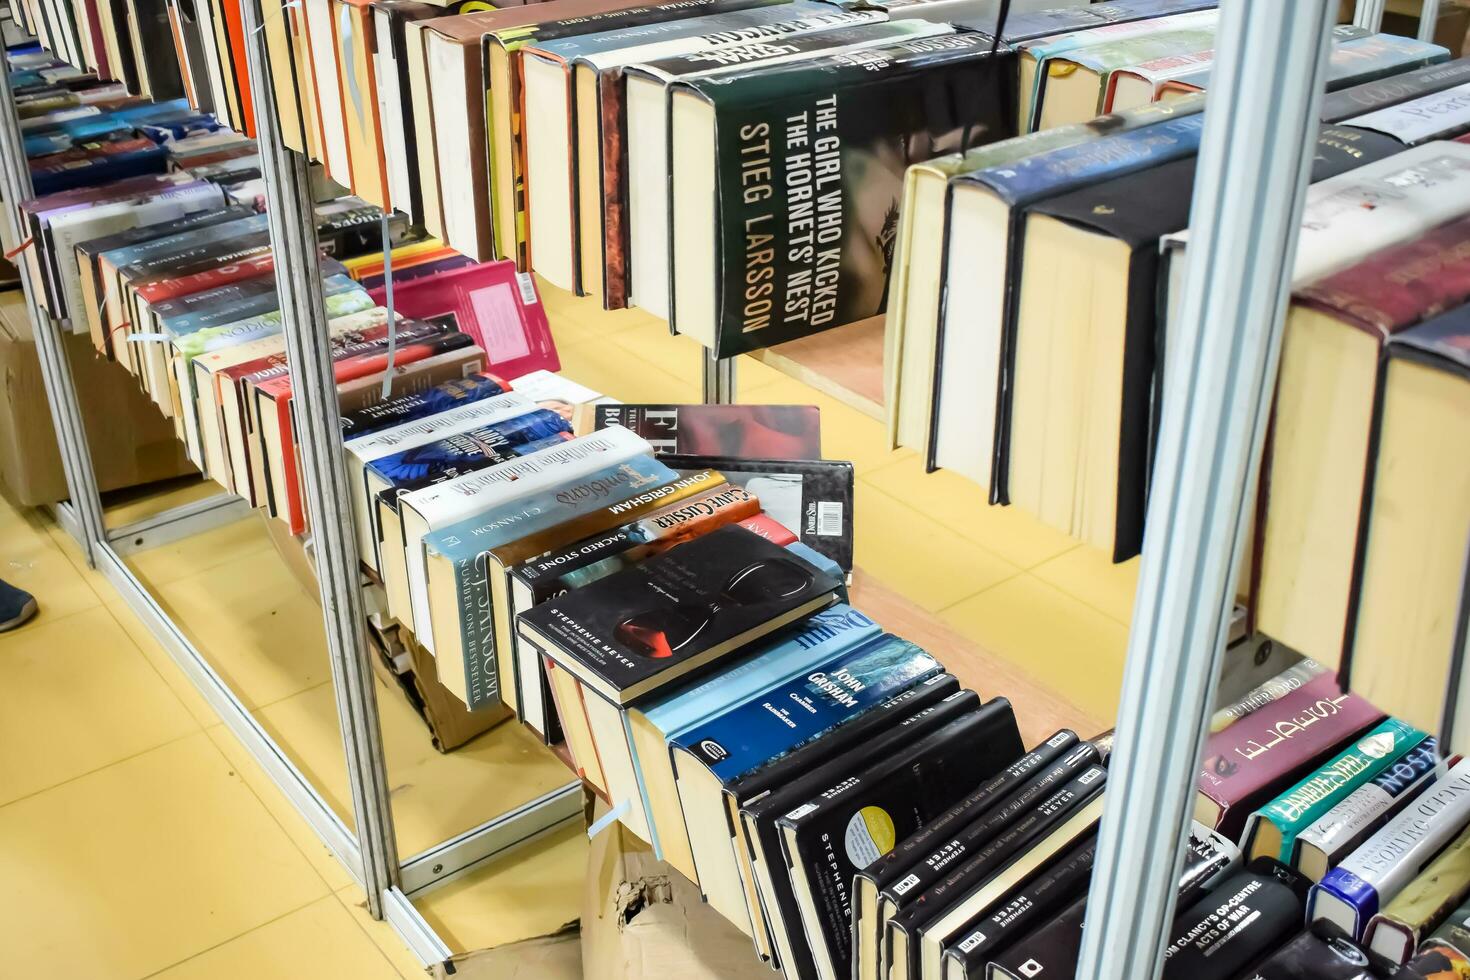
642 919
131 443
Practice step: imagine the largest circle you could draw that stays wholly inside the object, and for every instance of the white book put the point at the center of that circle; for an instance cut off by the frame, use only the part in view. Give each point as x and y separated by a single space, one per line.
438 506
1434 116
358 453
322 40
390 111
1353 892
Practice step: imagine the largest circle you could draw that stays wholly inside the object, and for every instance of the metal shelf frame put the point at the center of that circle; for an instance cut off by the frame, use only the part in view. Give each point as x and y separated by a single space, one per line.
1253 167
368 848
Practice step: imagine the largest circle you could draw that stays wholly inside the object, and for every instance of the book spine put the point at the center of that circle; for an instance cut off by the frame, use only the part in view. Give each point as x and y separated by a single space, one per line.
440 398
1208 858
1340 831
1274 689
1235 925
1423 904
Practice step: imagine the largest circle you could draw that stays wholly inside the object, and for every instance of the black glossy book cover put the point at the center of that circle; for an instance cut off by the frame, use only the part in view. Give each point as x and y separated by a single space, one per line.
812 498
626 634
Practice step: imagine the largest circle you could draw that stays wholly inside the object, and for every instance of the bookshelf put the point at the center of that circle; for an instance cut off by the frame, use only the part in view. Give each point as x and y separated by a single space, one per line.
1270 64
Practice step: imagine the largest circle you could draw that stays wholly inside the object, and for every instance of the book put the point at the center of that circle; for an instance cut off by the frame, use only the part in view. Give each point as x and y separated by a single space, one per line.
1322 952
651 726
492 303
400 147
421 404
1435 961
1264 693
361 452
916 936
470 612
627 635
943 855
1353 892
868 883
435 507
1042 897
745 431
772 203
358 74
1396 931
1357 100
1272 830
1411 595
1076 85
855 821
563 122
923 704
911 323
1255 759
1439 115
1249 915
640 269
1340 831
1454 931
814 498
1032 25
1308 537
458 560
986 228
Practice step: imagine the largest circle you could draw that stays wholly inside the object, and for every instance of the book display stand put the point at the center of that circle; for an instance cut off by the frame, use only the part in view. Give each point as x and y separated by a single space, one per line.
1253 171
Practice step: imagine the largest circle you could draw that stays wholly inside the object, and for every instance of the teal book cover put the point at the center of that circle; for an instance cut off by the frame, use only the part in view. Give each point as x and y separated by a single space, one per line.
1272 830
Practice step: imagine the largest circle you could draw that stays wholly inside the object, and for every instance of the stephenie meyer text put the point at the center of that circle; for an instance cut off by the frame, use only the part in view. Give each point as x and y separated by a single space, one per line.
810 170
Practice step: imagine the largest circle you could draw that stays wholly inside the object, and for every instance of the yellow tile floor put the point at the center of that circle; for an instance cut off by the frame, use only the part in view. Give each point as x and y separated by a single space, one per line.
139 840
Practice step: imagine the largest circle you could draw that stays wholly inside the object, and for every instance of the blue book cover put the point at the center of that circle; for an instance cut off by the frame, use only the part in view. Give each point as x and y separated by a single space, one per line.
420 404
760 731
101 170
464 543
413 468
130 255
64 135
1069 168
825 636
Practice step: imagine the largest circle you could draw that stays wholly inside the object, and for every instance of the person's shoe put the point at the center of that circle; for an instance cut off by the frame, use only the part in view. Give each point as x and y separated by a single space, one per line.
16 606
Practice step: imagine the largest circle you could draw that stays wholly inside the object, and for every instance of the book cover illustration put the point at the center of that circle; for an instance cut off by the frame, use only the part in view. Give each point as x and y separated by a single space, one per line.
487 444
629 629
421 404
745 431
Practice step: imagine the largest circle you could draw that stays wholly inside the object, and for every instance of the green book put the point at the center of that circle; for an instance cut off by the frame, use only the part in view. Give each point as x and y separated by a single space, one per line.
1272 830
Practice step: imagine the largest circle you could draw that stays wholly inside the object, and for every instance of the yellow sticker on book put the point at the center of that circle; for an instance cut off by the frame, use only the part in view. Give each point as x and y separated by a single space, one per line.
870 835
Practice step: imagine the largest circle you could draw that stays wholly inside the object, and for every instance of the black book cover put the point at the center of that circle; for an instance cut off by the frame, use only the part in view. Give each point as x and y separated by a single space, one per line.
155 36
945 853
626 634
1049 952
855 821
400 12
1384 92
742 431
811 163
1209 857
883 731
1062 882
1323 952
197 258
1043 816
1237 924
359 231
895 864
812 498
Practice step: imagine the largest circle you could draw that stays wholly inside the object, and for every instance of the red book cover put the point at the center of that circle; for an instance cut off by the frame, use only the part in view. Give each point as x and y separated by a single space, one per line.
88 151
497 306
246 263
416 342
769 528
99 44
235 34
1400 286
1255 759
741 431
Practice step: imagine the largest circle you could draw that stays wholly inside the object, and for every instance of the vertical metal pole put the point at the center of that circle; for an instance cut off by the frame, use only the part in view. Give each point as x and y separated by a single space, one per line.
61 391
308 351
1428 19
1369 14
719 379
1258 144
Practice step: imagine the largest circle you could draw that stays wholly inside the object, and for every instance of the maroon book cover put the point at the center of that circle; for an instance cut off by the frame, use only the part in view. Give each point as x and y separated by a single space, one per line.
1400 286
497 306
220 270
1253 760
740 431
105 192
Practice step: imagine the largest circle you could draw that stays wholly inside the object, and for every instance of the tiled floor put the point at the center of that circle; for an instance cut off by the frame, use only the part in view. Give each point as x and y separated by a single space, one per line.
139 840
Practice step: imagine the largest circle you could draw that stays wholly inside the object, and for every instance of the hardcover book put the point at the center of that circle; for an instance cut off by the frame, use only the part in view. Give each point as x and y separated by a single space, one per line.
1339 832
627 635
1250 762
1439 115
855 821
1263 694
814 498
786 193
1454 931
421 404
742 431
1382 93
1395 932
1272 830
1249 915
1353 892
1323 952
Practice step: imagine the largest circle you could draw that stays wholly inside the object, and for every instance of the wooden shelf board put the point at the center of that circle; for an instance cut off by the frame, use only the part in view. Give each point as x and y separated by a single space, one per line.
845 363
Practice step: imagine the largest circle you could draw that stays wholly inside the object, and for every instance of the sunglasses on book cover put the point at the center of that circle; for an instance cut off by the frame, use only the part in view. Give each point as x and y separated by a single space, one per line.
661 633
